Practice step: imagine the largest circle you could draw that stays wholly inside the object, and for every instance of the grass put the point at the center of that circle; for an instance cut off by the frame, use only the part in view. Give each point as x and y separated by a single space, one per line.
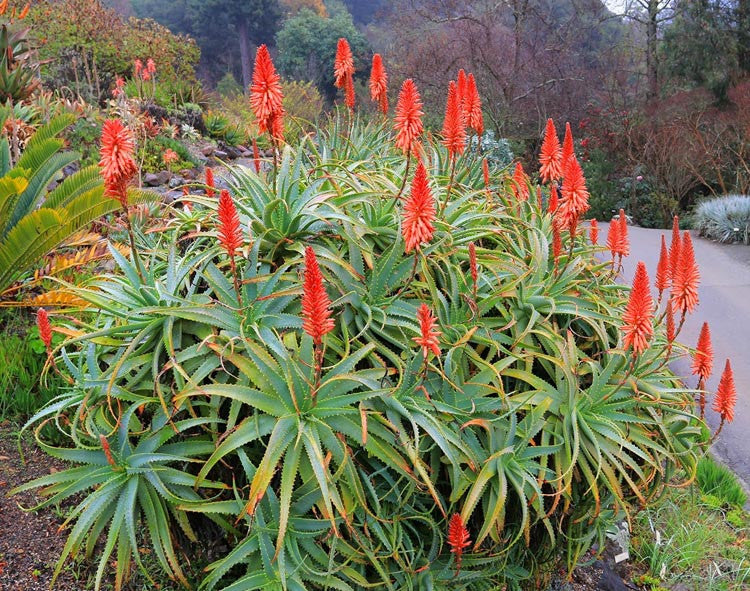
694 538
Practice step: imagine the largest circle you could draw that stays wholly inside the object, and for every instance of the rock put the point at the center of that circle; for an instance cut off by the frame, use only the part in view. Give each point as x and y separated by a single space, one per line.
156 179
171 196
175 181
189 174
220 154
70 169
208 151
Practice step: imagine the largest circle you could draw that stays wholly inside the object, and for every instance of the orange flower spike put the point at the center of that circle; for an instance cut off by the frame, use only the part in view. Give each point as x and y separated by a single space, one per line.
662 268
613 238
276 125
379 83
486 173
594 232
419 212
45 328
550 156
703 358
256 157
623 247
138 66
150 66
461 87
454 127
685 283
520 183
230 234
726 395
24 13
265 92
473 106
670 323
117 164
429 339
674 248
210 184
316 305
349 94
107 451
343 66
575 195
638 327
568 149
408 120
554 200
458 538
473 269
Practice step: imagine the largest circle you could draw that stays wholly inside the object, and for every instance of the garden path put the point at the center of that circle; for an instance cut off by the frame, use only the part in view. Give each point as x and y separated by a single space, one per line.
724 302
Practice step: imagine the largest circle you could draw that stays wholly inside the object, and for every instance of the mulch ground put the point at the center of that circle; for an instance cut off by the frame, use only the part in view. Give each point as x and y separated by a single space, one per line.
29 541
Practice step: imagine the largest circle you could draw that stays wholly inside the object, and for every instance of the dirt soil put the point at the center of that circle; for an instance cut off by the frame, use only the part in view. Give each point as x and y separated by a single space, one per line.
29 542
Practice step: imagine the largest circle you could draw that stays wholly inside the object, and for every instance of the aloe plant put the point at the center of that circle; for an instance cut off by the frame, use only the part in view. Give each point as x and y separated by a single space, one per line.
533 424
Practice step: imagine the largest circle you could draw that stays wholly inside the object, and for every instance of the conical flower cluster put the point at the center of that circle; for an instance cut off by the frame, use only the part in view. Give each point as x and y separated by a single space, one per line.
343 71
419 212
458 538
594 232
575 196
662 268
408 120
210 184
550 156
520 183
703 358
45 328
623 244
638 327
686 279
316 313
674 248
379 83
473 106
726 395
454 126
266 96
429 338
568 149
230 233
117 164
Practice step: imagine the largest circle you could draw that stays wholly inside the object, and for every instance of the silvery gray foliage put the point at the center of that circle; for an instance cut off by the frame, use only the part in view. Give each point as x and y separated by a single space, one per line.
726 219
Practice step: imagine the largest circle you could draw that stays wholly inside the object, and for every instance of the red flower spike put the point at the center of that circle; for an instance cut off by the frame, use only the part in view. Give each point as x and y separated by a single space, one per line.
554 201
670 323
638 327
594 232
45 329
568 149
117 164
473 106
550 156
461 87
150 66
685 282
575 196
726 395
265 92
419 212
316 312
256 157
454 127
623 245
486 173
674 248
107 451
473 269
230 233
343 66
556 241
138 66
210 184
520 183
379 83
349 95
276 128
458 538
613 238
703 358
662 268
429 339
408 120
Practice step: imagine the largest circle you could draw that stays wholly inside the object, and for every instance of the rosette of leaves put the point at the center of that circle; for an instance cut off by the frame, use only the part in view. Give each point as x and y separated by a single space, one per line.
19 70
532 424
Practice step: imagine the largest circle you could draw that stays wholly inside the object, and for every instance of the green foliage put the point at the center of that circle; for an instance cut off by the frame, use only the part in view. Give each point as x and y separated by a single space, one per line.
86 46
737 518
19 70
228 86
533 424
719 481
307 48
726 219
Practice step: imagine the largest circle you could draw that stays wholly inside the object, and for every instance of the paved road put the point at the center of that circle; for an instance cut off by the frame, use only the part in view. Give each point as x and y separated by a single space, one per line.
724 302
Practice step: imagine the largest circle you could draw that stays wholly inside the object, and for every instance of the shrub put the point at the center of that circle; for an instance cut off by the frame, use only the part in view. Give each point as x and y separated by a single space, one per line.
726 219
336 460
720 482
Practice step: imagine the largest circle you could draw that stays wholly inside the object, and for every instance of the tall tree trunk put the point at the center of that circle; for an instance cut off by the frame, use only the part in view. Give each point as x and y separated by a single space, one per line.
244 39
652 60
743 33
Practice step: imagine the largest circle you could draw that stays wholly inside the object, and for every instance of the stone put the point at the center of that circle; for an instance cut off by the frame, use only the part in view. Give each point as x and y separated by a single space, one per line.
220 154
156 179
189 174
208 151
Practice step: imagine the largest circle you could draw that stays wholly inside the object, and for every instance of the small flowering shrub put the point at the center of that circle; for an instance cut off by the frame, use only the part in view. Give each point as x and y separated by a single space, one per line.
368 378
